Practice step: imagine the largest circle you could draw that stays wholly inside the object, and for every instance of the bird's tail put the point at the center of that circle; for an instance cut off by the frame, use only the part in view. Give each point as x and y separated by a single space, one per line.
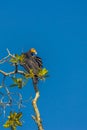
35 82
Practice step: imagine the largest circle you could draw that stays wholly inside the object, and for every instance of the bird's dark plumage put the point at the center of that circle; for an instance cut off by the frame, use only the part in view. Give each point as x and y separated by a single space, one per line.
31 61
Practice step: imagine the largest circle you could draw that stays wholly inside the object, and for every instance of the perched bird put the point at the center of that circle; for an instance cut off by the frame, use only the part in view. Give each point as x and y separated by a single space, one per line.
31 61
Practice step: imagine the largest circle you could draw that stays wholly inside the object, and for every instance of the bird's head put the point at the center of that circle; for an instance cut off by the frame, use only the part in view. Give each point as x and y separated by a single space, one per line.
33 51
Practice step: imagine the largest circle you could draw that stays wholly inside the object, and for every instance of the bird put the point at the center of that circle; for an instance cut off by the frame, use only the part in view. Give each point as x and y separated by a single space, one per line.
32 62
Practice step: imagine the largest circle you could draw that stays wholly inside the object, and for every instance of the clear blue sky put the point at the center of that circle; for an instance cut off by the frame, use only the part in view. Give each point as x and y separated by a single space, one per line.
58 30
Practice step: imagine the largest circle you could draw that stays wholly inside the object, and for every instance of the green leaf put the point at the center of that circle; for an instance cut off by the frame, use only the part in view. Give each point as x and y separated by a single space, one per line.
21 58
7 124
19 115
42 73
15 59
14 79
20 82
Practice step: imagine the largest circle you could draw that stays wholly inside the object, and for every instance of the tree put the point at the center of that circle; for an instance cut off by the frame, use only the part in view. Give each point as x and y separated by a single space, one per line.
19 79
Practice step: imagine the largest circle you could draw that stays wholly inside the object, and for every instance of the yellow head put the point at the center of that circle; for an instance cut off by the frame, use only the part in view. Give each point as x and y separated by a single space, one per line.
33 51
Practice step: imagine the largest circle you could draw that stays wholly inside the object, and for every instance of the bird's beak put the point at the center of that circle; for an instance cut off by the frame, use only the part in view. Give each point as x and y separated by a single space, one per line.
35 53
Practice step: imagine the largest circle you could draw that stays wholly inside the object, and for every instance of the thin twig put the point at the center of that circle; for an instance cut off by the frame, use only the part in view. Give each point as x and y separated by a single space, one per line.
10 53
5 59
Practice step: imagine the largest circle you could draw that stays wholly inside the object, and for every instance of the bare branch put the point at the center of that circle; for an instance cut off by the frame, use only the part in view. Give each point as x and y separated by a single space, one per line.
9 54
11 73
5 59
37 117
8 51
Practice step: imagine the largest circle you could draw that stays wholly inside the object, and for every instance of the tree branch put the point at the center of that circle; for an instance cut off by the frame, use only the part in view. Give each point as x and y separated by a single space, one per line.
5 59
10 102
37 117
11 73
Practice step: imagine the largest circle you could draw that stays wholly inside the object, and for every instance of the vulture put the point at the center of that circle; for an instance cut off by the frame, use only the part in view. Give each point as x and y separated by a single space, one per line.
31 61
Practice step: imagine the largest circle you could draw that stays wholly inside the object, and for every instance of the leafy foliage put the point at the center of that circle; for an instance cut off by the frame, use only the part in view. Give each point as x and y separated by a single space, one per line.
13 121
42 74
30 74
17 59
20 82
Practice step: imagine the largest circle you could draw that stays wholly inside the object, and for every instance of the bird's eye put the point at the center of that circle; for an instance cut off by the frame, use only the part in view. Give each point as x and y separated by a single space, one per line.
32 54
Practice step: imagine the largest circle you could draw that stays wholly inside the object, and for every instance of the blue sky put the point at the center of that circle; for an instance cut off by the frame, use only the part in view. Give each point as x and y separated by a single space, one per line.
58 30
